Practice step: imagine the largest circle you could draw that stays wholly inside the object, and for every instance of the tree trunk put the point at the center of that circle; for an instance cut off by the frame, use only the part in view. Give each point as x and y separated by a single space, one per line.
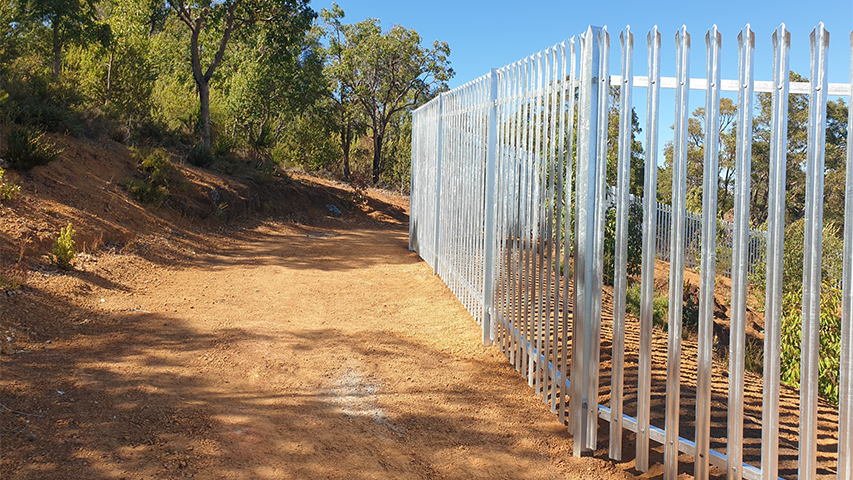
110 76
377 156
346 142
57 50
204 113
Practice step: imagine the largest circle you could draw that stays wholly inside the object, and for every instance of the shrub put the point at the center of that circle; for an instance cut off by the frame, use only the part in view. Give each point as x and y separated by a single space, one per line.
156 164
63 248
27 148
200 156
660 305
161 175
147 193
830 340
8 190
792 260
635 241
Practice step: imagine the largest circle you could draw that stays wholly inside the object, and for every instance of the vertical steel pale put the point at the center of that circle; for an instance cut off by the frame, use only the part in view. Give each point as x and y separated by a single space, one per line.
737 334
620 275
813 246
845 384
644 374
676 266
775 246
708 251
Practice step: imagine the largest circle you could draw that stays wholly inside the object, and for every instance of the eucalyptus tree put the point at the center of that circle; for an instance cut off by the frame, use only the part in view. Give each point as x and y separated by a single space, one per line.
385 73
69 21
218 21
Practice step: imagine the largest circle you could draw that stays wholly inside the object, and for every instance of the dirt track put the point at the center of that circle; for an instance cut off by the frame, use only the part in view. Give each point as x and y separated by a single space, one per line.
290 353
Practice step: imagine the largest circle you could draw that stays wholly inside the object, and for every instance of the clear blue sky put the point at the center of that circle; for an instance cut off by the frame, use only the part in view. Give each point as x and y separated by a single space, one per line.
483 34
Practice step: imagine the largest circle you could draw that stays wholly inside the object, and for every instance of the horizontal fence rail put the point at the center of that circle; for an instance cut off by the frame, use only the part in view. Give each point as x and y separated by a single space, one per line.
509 206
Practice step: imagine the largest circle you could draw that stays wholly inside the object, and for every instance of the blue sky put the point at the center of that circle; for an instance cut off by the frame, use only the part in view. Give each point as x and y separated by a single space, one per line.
485 34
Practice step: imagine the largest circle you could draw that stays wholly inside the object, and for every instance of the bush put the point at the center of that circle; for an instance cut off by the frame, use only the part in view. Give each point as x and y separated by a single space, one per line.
200 156
156 164
792 260
27 148
660 305
147 193
8 190
63 248
635 241
830 340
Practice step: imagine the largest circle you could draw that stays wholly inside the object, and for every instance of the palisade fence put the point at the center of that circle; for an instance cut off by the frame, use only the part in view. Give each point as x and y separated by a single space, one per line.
492 169
756 246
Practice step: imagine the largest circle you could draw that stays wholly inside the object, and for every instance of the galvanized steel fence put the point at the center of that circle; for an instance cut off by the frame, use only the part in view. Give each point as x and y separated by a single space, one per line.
497 166
757 244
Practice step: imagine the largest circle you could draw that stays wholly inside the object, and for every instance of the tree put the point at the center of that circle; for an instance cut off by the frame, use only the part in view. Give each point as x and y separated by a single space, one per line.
345 105
68 21
288 20
386 73
271 82
696 159
635 182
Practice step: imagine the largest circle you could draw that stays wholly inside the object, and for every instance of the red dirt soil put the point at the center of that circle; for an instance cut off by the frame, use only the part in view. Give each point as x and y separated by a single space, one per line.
290 345
274 340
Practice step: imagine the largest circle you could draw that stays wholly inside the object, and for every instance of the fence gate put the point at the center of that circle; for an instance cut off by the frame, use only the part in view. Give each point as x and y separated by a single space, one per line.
508 206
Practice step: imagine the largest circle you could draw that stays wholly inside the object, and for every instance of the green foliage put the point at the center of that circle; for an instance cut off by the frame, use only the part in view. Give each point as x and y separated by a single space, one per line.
63 248
200 156
8 190
36 98
660 305
147 193
635 240
792 260
308 142
411 73
830 340
27 147
161 174
156 163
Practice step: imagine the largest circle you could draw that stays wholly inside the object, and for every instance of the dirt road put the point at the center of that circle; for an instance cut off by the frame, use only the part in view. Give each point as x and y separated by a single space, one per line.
286 352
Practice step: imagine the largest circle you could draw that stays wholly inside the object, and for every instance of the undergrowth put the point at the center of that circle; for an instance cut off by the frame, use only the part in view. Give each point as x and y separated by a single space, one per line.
161 175
27 147
63 248
8 190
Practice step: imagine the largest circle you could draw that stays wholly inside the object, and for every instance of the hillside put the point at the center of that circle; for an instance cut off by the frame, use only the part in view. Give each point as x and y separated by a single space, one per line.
88 187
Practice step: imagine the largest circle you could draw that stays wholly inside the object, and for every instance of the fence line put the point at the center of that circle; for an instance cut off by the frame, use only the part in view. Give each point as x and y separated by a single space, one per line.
757 243
492 169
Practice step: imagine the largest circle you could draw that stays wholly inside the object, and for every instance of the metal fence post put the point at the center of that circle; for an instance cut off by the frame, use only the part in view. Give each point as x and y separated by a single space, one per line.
713 46
813 246
620 275
584 401
845 387
651 211
676 265
489 214
775 245
438 187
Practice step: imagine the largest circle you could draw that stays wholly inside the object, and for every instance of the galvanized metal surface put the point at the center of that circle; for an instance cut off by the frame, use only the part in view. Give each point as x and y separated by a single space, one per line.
813 247
620 274
647 287
845 387
704 361
775 246
509 211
